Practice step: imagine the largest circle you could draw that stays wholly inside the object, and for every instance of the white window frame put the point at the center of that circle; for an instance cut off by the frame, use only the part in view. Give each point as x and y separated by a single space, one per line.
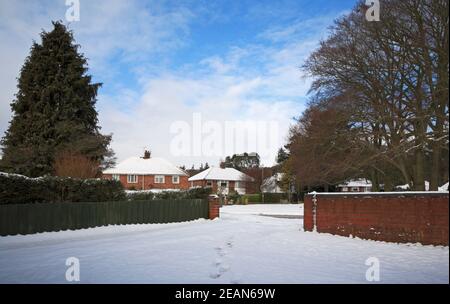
116 177
132 179
219 184
160 179
177 179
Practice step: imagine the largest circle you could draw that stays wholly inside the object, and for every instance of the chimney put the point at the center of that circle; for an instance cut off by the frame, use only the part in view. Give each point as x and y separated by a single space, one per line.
147 154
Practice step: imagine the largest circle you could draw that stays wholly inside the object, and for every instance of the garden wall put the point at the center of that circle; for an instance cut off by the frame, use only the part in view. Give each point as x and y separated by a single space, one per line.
47 217
404 217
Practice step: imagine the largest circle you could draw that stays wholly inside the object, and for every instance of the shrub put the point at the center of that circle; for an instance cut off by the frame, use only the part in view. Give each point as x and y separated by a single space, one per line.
195 193
140 196
252 198
235 198
275 198
17 189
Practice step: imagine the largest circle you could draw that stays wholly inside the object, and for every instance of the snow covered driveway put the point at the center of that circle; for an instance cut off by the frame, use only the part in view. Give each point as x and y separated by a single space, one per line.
241 247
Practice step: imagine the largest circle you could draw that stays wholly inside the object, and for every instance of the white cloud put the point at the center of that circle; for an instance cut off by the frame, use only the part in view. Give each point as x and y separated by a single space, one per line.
173 98
106 28
252 82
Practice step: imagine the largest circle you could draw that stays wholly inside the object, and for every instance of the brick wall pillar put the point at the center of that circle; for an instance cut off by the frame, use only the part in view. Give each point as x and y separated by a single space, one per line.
308 222
214 208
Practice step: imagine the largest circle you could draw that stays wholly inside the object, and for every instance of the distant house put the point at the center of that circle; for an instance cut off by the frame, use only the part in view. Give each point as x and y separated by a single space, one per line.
271 184
358 185
221 180
146 173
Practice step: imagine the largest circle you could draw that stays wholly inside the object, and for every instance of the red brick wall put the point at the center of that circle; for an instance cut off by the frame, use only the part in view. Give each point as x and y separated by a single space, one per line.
147 182
402 218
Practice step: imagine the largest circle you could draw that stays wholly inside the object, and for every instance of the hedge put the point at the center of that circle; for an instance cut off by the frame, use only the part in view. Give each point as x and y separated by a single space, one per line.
251 198
196 193
275 198
18 189
268 198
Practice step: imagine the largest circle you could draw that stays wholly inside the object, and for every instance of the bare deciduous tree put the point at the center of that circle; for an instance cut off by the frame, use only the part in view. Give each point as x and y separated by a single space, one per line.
76 165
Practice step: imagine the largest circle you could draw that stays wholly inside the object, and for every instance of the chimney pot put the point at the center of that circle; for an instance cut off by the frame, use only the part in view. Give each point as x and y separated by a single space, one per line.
147 154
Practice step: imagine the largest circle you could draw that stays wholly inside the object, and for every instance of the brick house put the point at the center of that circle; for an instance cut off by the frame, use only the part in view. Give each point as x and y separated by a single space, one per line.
147 173
359 185
221 180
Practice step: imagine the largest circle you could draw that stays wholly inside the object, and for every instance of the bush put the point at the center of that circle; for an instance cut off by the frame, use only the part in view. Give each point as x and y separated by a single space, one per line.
18 189
235 198
269 198
196 193
275 198
140 195
251 198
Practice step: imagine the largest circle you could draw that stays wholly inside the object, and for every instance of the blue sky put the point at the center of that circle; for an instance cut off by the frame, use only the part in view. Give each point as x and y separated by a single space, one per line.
162 61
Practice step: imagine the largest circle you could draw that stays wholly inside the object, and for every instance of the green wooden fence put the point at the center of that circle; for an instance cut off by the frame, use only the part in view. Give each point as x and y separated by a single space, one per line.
47 217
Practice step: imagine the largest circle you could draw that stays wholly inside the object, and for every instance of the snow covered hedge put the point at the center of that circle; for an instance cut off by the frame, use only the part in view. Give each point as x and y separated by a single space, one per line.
195 193
18 189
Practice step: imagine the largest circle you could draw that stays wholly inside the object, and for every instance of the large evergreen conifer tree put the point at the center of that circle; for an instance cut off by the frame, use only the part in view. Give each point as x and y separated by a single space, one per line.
54 109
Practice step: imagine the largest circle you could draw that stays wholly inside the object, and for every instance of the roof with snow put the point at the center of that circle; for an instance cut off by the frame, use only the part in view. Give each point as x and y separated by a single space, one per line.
141 166
270 184
227 174
357 183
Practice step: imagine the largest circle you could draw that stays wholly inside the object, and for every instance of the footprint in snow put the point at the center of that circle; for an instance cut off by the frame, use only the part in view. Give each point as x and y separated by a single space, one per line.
218 264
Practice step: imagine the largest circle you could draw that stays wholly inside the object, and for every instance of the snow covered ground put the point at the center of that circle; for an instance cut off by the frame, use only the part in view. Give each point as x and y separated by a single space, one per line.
240 247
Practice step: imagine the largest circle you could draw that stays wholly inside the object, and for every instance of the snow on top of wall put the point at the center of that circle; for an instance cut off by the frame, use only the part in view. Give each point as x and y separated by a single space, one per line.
407 186
444 188
151 166
378 193
226 174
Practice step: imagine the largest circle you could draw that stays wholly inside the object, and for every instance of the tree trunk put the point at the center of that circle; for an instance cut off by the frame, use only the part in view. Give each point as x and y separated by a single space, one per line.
375 181
419 176
435 167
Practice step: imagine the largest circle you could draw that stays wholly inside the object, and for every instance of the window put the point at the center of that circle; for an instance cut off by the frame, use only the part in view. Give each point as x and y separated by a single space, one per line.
132 179
159 179
175 179
223 185
209 184
239 185
355 189
116 177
